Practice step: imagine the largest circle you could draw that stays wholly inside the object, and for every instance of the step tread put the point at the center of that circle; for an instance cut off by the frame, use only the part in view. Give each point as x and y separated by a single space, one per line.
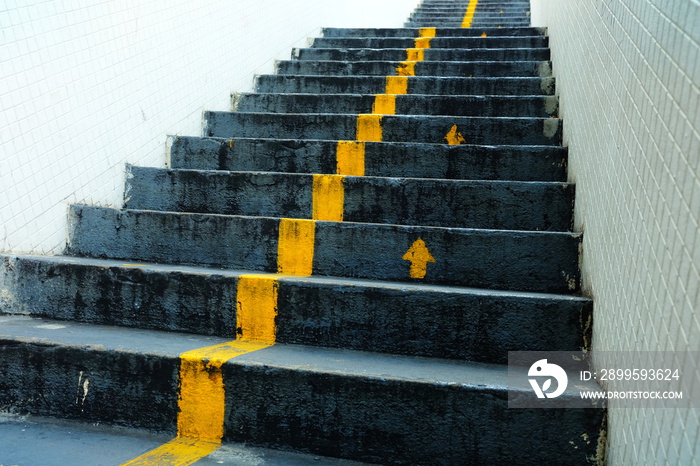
339 362
36 440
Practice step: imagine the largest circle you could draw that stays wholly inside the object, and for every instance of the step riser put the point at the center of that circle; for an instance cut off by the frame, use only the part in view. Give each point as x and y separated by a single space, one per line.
351 315
359 412
425 68
397 55
300 409
442 203
479 258
123 389
416 85
441 32
394 128
528 106
435 43
517 163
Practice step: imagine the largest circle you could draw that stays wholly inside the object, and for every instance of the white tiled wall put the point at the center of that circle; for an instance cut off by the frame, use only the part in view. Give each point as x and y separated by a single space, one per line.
628 75
87 85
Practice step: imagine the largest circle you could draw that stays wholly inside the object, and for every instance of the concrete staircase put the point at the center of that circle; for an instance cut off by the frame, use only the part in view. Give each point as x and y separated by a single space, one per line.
376 226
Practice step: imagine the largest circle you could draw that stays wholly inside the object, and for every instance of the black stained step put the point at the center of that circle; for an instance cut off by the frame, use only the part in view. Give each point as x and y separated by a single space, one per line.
388 317
422 68
464 257
394 55
516 163
349 404
476 23
440 32
271 83
501 205
411 104
464 42
395 128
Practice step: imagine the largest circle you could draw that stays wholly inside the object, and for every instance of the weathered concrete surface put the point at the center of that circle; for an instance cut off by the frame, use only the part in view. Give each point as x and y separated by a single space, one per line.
479 258
356 405
41 441
466 161
420 320
441 31
416 85
424 68
395 128
464 42
502 205
498 106
395 55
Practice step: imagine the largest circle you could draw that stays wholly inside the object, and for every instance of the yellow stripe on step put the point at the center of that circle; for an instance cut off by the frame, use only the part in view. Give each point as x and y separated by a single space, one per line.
202 394
328 198
469 14
350 158
295 250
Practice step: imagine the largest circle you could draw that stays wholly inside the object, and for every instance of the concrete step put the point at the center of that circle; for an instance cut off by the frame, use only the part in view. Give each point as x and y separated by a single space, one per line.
422 68
410 104
464 257
392 128
477 24
397 55
354 405
383 317
516 163
440 32
271 83
498 205
36 440
463 42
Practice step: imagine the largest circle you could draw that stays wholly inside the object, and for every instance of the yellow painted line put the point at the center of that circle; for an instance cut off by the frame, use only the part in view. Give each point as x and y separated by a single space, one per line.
256 308
406 68
397 85
369 128
413 55
202 395
328 198
295 250
469 14
419 256
427 32
350 158
350 155
177 452
454 137
202 400
384 104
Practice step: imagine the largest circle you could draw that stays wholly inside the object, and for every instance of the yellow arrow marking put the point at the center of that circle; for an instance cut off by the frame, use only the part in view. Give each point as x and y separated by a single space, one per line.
469 14
454 138
419 256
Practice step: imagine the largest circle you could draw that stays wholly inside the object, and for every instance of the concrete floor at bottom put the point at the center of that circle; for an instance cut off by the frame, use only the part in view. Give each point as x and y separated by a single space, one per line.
37 441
